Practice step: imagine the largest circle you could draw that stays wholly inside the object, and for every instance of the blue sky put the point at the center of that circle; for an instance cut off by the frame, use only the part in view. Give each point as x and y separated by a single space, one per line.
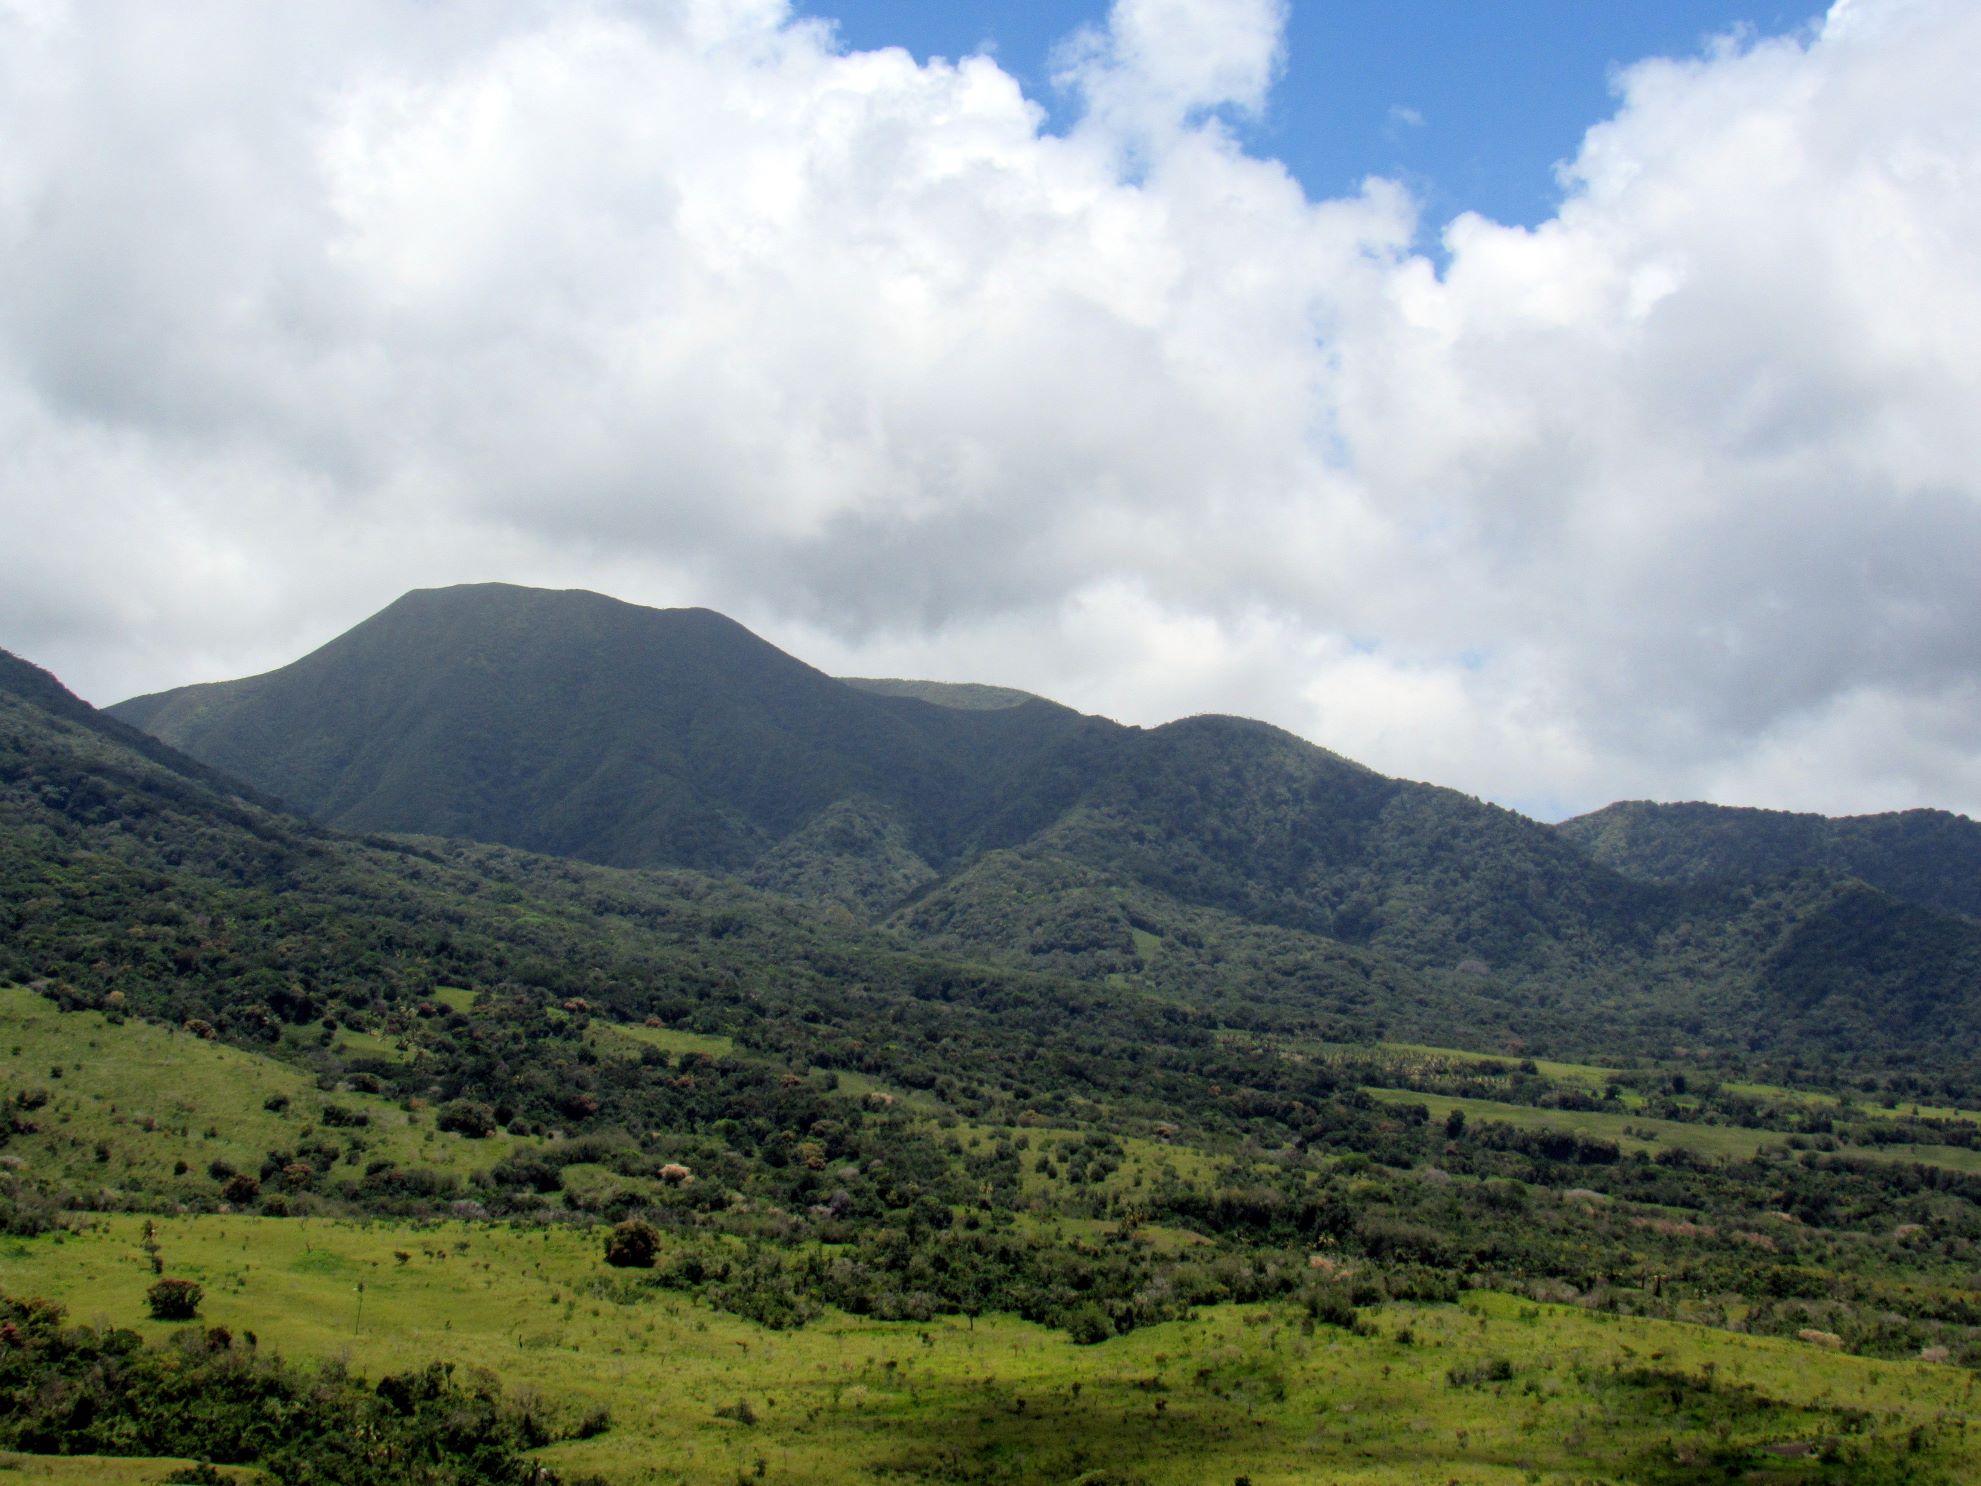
1469 102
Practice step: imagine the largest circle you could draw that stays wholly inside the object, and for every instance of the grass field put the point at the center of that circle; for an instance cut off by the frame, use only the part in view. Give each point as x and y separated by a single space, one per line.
1633 1133
128 1103
1493 1390
97 1470
1706 1140
625 1037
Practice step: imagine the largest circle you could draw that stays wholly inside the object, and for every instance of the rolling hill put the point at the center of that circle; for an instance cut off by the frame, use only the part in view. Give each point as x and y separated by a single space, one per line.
1928 857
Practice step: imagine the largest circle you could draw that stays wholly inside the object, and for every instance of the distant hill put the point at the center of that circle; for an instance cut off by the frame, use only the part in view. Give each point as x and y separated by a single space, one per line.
1927 857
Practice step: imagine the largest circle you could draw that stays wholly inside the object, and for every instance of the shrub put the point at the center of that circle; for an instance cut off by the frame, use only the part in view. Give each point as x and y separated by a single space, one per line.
467 1117
1331 1305
241 1189
1486 1370
1088 1324
632 1244
174 1300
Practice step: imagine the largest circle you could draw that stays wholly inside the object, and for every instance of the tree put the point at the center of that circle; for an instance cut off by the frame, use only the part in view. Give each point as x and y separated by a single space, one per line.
632 1244
241 1189
174 1300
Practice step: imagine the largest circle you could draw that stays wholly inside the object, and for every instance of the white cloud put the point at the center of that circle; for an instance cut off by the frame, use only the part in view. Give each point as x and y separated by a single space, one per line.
1674 494
1159 65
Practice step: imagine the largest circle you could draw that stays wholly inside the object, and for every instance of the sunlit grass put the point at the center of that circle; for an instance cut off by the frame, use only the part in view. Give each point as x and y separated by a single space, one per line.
1237 1391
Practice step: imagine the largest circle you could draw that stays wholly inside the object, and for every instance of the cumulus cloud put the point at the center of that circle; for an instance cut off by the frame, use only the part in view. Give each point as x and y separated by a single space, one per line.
1675 494
1159 65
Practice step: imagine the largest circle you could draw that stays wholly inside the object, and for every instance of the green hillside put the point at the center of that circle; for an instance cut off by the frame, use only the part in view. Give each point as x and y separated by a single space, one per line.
969 696
573 724
576 724
1927 857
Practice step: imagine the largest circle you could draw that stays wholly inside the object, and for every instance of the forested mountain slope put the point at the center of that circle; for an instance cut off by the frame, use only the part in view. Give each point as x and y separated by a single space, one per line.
1059 1087
574 724
571 723
1928 857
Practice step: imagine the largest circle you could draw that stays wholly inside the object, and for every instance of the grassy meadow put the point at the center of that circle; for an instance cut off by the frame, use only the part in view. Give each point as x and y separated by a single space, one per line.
1493 1389
128 1103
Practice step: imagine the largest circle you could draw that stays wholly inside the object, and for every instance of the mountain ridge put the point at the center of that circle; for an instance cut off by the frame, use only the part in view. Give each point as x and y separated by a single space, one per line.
575 724
1931 858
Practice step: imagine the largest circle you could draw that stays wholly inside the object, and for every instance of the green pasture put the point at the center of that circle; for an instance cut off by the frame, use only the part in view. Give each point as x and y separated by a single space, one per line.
1865 1108
127 1103
1409 1058
1587 1075
627 1038
1733 1141
1633 1133
98 1470
1494 1390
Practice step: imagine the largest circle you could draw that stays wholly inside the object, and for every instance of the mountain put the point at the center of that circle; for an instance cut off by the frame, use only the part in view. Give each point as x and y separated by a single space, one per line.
579 725
1927 857
1198 859
138 882
575 724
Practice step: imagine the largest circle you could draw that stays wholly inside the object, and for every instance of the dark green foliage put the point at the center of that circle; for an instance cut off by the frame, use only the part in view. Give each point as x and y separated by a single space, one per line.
240 1189
1925 857
632 1245
467 1117
174 1300
572 723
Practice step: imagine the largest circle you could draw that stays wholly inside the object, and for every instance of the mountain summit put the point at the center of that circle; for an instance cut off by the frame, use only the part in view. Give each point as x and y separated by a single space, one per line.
576 724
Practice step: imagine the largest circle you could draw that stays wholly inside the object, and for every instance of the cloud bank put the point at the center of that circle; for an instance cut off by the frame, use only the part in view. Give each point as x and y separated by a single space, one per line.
1677 494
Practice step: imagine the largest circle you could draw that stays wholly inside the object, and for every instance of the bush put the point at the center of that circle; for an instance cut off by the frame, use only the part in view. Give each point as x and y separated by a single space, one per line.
632 1244
1088 1324
241 1189
467 1117
1487 1370
1331 1305
174 1300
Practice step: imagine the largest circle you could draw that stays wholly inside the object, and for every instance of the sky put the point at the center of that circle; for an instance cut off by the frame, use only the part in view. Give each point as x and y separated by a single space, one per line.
1562 402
